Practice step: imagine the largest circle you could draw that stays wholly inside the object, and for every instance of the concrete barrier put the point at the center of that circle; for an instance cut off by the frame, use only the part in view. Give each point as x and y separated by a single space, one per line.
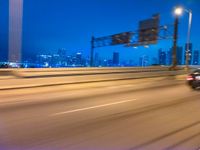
56 72
18 83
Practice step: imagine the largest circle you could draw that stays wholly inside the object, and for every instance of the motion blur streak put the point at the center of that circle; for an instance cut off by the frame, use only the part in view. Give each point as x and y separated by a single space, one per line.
15 30
144 114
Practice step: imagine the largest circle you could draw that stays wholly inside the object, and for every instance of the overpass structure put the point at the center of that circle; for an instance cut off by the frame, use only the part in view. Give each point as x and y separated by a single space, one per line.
89 108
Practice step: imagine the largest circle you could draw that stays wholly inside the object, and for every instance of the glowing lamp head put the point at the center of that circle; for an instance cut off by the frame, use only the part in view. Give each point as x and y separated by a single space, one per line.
178 11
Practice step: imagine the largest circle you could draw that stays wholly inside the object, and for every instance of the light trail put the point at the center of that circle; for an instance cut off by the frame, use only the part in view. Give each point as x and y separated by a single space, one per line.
15 30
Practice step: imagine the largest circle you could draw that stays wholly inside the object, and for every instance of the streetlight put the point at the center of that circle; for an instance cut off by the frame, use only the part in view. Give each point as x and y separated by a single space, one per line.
178 11
175 37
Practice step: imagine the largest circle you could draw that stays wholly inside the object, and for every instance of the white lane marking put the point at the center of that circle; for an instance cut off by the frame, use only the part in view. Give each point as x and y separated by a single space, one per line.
92 107
117 87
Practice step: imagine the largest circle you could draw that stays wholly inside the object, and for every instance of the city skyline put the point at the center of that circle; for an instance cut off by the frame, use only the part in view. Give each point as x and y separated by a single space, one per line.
62 58
45 30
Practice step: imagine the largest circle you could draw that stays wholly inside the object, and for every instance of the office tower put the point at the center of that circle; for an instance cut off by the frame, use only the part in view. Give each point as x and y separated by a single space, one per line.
96 60
62 54
55 61
79 59
162 57
144 61
190 51
141 61
196 57
44 60
179 55
154 61
69 60
115 58
169 57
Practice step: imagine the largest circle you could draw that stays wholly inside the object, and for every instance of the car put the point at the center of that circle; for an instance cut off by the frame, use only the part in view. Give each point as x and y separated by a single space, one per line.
193 79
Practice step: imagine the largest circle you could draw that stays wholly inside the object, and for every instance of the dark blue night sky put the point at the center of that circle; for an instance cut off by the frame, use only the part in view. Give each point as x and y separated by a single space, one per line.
52 24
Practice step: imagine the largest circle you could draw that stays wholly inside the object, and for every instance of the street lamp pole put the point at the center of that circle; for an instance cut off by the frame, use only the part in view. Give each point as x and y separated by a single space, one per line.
174 54
188 39
178 11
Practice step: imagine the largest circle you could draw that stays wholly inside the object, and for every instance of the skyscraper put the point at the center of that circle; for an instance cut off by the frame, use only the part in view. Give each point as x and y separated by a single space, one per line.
162 57
144 61
79 59
154 61
169 57
116 58
196 57
190 52
179 55
62 56
96 60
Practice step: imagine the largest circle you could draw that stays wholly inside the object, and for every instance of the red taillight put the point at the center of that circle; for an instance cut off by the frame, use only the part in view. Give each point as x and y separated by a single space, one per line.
189 78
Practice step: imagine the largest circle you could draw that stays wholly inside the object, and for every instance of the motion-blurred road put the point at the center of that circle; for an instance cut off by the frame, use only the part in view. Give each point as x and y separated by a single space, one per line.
120 115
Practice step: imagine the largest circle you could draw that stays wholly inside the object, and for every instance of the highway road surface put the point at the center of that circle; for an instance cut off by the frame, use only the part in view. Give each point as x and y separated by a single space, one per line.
115 115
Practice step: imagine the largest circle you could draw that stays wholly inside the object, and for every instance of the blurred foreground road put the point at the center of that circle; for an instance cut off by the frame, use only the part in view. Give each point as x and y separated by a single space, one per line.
102 116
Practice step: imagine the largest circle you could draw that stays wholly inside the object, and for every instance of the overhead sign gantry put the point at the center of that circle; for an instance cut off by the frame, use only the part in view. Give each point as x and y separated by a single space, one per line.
149 32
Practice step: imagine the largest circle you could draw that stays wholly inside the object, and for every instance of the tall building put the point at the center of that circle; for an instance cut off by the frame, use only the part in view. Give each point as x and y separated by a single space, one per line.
169 57
162 57
15 30
55 61
154 61
96 60
115 58
62 54
79 59
179 55
105 63
44 60
69 60
196 57
141 61
190 53
144 61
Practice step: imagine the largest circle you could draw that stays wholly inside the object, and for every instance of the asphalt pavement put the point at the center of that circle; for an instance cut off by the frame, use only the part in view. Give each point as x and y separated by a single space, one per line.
160 115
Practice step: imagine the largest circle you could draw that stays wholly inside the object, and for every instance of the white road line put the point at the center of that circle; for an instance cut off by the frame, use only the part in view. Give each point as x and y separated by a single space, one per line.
92 107
117 87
